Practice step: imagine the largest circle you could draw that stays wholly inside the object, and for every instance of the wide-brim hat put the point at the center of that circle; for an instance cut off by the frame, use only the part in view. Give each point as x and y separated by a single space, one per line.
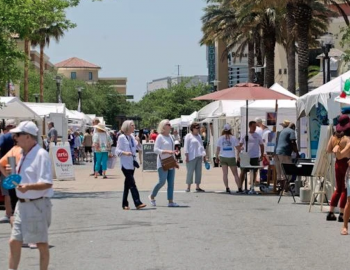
343 123
285 123
101 127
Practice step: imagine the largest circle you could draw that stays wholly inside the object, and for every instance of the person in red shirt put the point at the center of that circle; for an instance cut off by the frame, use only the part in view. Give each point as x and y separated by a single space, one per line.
153 135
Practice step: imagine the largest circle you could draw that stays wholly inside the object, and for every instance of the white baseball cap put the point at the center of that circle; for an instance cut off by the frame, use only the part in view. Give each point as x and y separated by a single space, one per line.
227 127
27 127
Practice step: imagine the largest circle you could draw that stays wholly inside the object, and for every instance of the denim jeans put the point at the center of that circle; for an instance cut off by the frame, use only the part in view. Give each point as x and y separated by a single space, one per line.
163 176
130 184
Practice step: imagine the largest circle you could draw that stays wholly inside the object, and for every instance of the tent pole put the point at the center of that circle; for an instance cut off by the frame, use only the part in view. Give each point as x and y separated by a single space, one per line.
246 144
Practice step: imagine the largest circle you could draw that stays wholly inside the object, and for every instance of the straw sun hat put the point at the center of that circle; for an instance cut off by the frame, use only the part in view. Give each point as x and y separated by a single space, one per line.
101 127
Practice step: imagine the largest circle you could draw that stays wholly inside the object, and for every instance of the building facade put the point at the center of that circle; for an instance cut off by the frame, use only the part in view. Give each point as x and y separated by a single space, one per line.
78 69
167 82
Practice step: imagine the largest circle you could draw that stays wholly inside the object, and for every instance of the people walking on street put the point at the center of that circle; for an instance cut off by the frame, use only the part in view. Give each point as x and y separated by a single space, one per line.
195 154
337 143
6 144
286 145
126 150
71 140
33 211
227 146
102 143
16 152
77 145
164 147
95 122
52 135
87 143
255 150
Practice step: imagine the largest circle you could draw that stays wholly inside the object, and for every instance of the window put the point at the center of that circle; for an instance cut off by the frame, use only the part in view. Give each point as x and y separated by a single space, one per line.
285 71
73 75
90 76
280 71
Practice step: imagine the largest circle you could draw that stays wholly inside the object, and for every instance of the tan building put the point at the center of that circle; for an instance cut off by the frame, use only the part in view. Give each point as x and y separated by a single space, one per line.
78 69
35 58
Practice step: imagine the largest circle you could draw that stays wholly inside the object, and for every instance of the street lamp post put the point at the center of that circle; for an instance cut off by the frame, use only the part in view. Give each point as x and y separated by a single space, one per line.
79 98
36 97
326 43
58 80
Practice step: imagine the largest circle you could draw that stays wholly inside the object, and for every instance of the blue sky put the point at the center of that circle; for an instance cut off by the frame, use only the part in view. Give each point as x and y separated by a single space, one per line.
139 39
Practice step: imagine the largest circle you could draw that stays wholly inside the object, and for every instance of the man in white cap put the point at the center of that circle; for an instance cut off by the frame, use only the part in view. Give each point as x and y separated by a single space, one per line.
33 210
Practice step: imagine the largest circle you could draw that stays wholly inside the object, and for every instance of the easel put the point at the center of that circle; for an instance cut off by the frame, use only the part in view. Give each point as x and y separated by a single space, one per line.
323 166
321 191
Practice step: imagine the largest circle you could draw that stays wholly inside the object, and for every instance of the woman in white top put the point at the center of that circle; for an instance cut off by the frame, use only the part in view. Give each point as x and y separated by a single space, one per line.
226 155
164 147
126 150
102 143
195 153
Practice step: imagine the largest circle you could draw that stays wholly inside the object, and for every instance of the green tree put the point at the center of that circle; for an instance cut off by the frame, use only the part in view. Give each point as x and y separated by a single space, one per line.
168 103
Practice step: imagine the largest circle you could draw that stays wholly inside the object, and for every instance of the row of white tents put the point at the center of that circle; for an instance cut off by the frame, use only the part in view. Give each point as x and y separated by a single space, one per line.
41 113
234 112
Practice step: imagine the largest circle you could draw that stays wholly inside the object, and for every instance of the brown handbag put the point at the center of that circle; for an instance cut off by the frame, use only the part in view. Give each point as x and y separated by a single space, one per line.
168 163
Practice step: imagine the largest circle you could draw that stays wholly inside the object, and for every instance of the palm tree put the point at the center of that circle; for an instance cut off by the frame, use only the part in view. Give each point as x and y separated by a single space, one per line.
42 37
319 23
26 68
303 14
219 22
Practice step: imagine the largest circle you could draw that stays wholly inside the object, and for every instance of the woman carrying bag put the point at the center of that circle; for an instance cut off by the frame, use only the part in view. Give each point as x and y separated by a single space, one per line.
166 163
126 150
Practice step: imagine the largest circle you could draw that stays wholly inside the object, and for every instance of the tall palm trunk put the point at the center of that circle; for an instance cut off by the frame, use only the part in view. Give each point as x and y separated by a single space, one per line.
269 47
251 61
26 70
303 14
42 72
291 47
259 58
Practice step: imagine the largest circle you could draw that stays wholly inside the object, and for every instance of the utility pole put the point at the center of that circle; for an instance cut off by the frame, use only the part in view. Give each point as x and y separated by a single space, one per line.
178 73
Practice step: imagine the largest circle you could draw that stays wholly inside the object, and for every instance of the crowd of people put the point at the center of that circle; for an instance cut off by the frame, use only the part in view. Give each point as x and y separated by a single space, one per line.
99 144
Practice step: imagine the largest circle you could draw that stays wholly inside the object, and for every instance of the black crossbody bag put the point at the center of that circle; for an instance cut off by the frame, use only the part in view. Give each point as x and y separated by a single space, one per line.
135 163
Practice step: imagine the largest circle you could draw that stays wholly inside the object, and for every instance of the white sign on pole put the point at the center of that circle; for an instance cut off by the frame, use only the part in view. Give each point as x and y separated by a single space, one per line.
62 163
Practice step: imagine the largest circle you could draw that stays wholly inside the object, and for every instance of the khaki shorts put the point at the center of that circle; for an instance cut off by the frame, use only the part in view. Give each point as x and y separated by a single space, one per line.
228 161
32 221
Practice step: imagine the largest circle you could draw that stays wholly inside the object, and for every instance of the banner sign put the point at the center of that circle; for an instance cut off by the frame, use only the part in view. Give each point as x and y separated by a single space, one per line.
62 163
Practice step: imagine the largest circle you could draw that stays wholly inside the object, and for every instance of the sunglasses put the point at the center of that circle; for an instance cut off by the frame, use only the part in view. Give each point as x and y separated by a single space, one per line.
19 134
169 125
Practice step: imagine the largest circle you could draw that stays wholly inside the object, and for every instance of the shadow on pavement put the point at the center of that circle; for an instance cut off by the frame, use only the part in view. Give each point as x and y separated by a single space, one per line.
59 195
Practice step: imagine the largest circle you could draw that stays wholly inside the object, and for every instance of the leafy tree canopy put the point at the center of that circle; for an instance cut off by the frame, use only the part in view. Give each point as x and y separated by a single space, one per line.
168 104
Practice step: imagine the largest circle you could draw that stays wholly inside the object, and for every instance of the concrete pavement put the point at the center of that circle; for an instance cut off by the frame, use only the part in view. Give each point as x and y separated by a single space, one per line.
211 230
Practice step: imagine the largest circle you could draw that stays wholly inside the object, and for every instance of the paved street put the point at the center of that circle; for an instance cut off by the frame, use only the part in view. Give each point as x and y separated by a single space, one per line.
213 230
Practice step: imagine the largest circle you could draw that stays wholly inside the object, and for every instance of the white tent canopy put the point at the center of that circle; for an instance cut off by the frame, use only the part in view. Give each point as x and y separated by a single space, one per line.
228 108
260 108
13 108
325 95
278 88
44 109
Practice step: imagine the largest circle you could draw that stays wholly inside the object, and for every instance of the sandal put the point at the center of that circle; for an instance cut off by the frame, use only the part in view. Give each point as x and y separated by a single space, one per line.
344 231
105 177
126 208
188 190
200 190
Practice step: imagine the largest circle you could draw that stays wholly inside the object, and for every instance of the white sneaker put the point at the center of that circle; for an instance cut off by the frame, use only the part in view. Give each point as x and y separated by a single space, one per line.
173 204
153 202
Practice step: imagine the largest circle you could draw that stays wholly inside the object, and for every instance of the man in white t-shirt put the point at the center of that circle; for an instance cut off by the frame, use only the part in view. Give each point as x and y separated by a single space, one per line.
255 148
33 209
265 134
